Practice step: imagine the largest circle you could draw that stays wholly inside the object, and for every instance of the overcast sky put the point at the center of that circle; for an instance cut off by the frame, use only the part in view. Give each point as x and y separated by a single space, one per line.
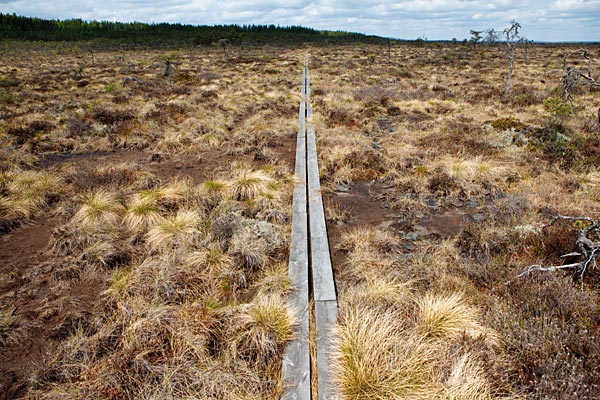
562 20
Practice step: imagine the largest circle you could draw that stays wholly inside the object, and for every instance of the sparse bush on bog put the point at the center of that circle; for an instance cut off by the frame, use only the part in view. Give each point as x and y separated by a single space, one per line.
558 107
110 88
111 116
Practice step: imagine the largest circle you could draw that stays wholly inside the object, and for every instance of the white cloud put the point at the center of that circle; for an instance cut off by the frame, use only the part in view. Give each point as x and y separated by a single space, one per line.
573 5
436 19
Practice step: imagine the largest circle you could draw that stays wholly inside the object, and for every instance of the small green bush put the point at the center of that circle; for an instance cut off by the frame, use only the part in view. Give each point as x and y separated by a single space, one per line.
110 88
558 107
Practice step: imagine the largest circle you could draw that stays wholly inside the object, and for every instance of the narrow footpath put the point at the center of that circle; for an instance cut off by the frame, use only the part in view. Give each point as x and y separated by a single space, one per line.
310 270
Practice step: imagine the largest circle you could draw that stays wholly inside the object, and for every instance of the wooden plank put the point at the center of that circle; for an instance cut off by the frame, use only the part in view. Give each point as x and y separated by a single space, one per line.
322 272
325 318
296 355
323 286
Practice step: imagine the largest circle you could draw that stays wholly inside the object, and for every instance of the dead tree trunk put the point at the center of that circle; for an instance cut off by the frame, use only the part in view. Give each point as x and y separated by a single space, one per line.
587 249
389 43
223 43
511 33
167 68
510 69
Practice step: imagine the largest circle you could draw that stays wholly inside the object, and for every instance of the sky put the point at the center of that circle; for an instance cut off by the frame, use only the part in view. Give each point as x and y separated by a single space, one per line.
561 20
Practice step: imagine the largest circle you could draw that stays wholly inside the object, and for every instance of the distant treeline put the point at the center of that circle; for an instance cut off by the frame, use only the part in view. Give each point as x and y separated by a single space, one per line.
38 29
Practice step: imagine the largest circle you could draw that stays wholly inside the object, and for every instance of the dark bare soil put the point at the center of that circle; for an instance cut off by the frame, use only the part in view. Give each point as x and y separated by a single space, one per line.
24 256
362 211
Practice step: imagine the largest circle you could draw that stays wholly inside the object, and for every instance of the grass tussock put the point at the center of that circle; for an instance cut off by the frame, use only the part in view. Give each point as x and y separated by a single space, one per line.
467 380
377 359
178 308
248 184
175 230
260 330
99 209
25 194
141 214
381 355
446 317
397 338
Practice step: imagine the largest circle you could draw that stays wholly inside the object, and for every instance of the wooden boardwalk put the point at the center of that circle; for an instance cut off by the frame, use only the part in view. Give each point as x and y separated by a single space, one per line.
309 250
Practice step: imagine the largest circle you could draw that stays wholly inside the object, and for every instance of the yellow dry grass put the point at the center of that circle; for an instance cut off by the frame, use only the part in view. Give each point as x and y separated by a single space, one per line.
174 230
376 359
99 209
445 317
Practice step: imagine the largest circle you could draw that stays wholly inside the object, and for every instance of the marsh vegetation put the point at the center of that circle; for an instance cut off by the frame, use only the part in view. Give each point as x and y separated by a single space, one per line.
145 220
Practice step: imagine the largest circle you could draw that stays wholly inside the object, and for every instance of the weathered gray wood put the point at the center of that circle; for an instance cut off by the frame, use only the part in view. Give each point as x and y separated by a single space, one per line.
308 223
323 286
296 356
325 318
309 109
322 272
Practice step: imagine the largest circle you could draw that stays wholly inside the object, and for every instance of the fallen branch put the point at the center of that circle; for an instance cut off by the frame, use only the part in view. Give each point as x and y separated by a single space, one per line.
588 248
538 267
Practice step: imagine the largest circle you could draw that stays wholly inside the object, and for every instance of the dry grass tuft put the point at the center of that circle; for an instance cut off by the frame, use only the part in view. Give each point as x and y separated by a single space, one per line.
274 280
248 184
467 380
375 359
368 238
269 200
178 229
25 193
142 213
99 209
213 192
261 330
119 284
213 259
447 316
380 293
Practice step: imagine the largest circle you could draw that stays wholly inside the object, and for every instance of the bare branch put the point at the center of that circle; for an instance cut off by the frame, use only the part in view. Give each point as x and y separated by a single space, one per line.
538 267
588 249
573 77
491 36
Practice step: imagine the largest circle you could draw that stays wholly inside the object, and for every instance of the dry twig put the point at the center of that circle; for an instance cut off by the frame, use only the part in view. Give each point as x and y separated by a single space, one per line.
588 248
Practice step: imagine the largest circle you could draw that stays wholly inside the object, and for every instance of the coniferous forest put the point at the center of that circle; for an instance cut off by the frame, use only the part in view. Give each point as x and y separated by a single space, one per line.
38 29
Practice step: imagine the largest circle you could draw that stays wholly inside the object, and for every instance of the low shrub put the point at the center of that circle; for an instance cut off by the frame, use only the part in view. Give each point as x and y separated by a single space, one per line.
558 107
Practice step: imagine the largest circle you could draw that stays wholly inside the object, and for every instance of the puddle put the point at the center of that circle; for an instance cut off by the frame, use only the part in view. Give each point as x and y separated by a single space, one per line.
52 159
362 209
449 223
